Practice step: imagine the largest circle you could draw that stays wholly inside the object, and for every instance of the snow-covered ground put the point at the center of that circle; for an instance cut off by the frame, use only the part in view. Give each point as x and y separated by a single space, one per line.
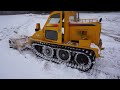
14 64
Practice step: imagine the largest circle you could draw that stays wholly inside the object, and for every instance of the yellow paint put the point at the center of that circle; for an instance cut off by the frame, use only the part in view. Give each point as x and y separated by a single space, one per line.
85 35
84 43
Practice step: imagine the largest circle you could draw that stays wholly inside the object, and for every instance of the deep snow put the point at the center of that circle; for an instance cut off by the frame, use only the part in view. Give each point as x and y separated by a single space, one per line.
14 64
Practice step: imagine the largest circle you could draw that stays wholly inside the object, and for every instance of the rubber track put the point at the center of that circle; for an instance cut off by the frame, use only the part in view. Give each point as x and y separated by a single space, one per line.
71 63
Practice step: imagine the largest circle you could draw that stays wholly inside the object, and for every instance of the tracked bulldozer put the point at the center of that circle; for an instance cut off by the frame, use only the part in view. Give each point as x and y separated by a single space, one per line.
65 39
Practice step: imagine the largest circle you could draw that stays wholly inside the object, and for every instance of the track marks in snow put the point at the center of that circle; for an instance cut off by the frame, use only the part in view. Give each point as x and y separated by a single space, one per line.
22 29
114 37
101 74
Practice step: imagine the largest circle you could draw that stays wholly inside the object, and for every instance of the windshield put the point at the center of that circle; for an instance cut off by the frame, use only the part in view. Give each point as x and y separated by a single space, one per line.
54 19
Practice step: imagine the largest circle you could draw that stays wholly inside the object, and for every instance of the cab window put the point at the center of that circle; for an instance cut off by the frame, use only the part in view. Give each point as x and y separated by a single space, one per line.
54 19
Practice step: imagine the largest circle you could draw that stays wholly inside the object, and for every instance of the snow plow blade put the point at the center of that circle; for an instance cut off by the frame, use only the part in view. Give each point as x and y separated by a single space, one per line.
19 43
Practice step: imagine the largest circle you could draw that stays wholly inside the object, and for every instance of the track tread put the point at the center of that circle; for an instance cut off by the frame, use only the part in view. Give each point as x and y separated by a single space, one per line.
71 63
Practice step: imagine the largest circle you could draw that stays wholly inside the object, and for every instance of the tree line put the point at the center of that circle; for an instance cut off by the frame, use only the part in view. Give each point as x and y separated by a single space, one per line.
38 12
23 12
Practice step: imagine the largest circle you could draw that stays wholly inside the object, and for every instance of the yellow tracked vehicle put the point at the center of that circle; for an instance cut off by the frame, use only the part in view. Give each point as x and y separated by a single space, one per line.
65 39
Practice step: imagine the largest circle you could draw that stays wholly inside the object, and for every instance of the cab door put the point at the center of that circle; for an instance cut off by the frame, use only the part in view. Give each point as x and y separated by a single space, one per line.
53 28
